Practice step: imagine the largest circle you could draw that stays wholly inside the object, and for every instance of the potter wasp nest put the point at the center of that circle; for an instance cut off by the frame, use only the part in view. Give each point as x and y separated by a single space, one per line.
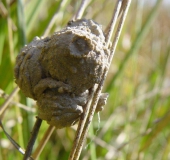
59 71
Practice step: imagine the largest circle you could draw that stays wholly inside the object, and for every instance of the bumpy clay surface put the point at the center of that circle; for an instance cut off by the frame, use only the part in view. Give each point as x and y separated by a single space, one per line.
59 71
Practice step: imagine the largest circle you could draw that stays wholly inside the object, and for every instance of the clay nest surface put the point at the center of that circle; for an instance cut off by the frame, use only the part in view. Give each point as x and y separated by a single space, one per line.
58 71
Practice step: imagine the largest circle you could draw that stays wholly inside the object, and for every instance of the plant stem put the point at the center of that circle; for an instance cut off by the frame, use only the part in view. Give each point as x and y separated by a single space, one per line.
111 26
61 7
43 142
8 100
137 42
81 9
81 125
32 139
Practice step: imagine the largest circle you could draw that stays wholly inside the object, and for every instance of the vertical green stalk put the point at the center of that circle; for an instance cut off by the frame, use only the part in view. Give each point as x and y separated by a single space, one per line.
21 23
23 131
10 35
2 37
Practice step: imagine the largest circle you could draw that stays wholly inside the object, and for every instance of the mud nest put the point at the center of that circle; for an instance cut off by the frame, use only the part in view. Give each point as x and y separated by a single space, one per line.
59 71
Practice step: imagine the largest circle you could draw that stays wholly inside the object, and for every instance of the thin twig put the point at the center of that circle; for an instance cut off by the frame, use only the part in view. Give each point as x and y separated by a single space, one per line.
88 120
32 139
81 9
55 17
81 125
16 145
22 106
43 142
8 100
99 89
126 5
113 22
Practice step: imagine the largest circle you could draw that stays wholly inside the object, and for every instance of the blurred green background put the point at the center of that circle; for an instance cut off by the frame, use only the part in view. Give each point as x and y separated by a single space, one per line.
135 124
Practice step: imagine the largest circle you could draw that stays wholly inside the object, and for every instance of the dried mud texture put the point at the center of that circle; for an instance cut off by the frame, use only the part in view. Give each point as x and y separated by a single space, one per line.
58 71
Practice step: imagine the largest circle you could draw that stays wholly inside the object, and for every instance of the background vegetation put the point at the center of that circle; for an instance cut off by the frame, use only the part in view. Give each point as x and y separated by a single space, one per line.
136 121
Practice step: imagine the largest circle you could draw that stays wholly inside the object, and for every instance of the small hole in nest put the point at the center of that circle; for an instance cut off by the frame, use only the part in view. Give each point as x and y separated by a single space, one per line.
80 46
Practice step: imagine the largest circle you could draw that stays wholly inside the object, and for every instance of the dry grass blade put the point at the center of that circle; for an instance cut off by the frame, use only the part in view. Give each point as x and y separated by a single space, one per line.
43 142
75 154
62 6
126 4
81 126
24 107
81 9
89 118
8 100
111 26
